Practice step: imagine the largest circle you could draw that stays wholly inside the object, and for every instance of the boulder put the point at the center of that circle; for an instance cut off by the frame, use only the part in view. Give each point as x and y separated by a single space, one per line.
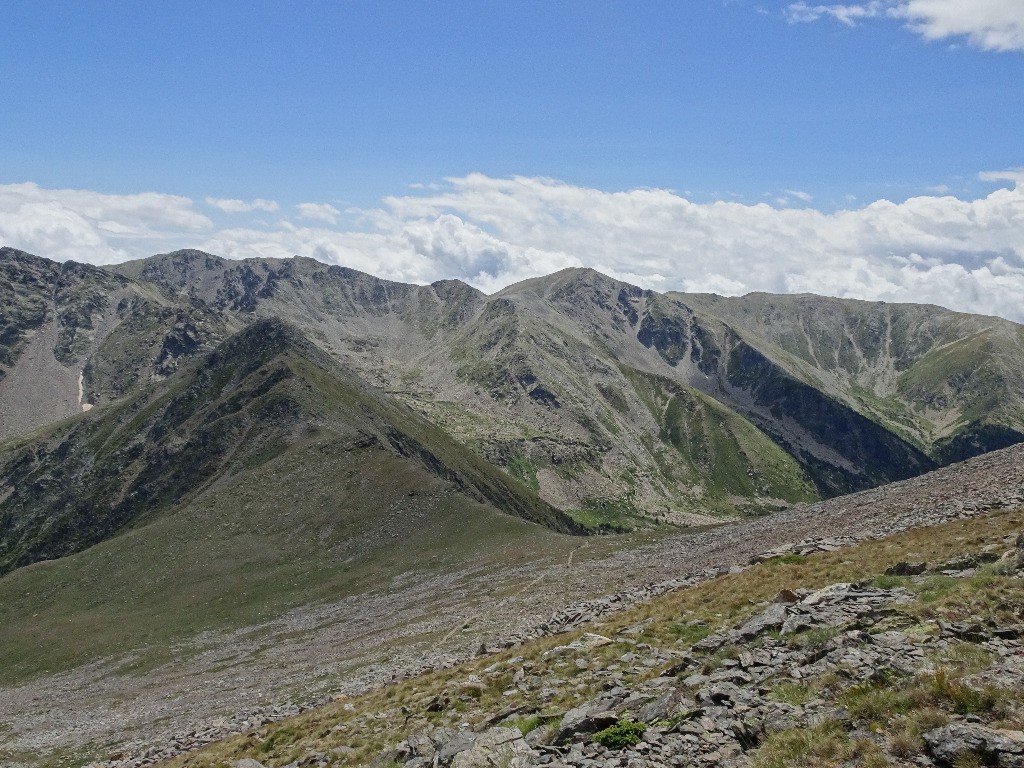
1003 749
584 719
495 746
772 617
903 568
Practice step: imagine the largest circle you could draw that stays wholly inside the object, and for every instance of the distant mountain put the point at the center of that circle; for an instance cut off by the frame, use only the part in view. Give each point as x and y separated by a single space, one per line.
611 402
263 393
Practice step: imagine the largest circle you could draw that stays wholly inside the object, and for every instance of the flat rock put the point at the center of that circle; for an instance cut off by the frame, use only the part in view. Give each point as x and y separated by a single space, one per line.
1004 749
772 617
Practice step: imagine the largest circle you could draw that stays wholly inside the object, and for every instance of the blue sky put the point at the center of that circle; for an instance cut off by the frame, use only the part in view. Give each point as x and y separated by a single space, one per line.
350 101
868 149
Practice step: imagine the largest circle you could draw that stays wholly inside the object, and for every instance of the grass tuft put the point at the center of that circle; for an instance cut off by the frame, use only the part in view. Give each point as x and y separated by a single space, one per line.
624 733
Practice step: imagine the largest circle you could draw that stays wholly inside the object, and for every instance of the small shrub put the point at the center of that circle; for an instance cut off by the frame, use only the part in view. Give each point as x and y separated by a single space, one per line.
690 633
624 733
818 637
940 688
967 658
805 747
280 737
905 740
935 588
890 582
791 559
792 693
968 760
929 718
526 724
878 705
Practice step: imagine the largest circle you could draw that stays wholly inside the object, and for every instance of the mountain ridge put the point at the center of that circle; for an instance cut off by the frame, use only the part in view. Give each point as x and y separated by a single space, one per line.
254 396
551 378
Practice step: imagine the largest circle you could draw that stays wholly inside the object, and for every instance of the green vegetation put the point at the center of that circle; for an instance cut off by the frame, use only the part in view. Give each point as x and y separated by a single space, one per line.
526 725
717 448
261 393
790 559
824 745
523 469
624 733
602 517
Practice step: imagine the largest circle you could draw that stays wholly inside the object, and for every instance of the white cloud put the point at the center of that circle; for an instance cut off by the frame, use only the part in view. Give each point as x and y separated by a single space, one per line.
1016 175
799 195
93 227
990 25
318 212
846 14
966 254
230 205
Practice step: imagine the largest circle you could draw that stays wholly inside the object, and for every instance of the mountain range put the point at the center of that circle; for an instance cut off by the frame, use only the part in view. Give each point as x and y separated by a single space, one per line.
199 453
574 400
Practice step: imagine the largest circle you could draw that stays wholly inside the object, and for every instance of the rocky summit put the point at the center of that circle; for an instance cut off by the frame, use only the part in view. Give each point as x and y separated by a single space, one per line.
616 404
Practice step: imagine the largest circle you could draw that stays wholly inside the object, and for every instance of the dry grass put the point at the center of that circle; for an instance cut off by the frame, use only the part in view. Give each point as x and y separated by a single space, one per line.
366 725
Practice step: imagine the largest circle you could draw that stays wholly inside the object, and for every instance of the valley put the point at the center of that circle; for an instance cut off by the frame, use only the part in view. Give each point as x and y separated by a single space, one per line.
230 490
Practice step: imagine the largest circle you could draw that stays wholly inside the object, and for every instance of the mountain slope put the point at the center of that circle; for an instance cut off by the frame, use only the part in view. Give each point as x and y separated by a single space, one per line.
948 383
573 382
261 393
72 336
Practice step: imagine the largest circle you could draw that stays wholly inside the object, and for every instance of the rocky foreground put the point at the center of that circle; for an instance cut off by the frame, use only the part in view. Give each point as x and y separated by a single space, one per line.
913 656
309 658
816 675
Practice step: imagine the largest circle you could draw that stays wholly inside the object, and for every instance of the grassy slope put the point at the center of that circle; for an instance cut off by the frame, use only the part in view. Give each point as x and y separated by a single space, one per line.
259 393
720 450
376 721
319 522
267 479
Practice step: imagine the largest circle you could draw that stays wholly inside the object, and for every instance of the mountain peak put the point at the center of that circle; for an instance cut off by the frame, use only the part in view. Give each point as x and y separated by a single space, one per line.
570 277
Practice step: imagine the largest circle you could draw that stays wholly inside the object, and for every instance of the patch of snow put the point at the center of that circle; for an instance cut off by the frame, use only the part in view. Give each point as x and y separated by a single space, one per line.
81 392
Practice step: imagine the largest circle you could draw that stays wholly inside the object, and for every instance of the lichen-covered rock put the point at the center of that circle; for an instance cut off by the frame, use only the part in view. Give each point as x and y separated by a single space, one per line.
1003 749
585 719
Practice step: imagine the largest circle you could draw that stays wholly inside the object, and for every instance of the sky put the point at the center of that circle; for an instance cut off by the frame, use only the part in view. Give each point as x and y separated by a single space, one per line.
871 150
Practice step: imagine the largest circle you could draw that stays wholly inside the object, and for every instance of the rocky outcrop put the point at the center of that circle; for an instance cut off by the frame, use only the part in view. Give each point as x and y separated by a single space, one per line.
961 741
712 709
852 624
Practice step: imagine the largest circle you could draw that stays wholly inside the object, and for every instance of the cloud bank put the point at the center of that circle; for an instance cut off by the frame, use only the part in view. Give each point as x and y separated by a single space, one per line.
964 254
989 25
